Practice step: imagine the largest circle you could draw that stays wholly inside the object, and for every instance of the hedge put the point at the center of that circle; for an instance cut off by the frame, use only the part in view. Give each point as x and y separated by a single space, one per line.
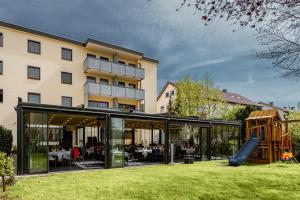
6 140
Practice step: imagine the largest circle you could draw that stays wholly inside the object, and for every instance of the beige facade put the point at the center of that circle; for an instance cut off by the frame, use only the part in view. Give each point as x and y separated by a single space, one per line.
15 83
164 97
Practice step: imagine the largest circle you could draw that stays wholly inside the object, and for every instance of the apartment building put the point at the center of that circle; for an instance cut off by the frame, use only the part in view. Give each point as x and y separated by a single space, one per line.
86 105
44 68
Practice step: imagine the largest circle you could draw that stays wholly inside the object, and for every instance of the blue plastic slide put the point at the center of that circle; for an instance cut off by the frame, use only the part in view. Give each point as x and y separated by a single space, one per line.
246 150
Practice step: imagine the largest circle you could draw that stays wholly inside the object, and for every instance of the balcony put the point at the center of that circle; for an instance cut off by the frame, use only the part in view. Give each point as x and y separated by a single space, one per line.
98 89
101 66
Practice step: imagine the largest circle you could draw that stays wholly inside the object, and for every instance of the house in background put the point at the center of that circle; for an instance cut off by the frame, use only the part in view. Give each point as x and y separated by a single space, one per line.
163 99
231 99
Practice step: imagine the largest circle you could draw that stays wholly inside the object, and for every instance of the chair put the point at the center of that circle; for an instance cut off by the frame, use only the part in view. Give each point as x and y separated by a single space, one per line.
197 153
67 158
82 153
52 159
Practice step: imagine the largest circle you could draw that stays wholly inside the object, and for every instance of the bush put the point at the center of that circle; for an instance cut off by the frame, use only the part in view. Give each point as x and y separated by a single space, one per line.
6 140
7 169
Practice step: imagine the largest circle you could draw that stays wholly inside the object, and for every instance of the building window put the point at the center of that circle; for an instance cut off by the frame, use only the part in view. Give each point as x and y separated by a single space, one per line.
66 77
91 79
122 62
172 93
121 84
162 109
1 95
133 65
126 106
104 81
104 58
131 85
167 94
66 101
66 54
90 55
1 67
34 98
34 47
1 39
98 104
33 73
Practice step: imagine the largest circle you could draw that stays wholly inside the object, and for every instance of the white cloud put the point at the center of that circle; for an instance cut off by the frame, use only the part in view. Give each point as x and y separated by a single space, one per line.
179 70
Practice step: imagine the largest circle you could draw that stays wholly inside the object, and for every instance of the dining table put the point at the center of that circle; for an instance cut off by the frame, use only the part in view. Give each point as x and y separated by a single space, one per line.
59 154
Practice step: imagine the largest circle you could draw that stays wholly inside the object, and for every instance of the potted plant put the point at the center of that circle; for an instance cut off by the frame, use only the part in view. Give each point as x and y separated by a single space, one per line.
187 132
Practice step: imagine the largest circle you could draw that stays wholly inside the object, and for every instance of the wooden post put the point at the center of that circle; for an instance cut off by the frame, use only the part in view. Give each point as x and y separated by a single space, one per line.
3 184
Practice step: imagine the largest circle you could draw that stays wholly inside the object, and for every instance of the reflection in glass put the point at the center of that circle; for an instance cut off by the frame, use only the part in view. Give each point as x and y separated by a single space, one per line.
36 129
117 142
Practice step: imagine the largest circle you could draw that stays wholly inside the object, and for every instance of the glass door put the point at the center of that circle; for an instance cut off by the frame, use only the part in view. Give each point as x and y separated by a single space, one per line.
117 142
204 143
38 142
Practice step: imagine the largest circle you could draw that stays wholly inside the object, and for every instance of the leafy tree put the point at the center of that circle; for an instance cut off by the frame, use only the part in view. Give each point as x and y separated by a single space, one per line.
211 96
277 24
239 112
195 98
294 130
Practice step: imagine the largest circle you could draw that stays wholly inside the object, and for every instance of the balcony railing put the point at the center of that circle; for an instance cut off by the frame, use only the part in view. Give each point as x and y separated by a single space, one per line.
95 64
99 89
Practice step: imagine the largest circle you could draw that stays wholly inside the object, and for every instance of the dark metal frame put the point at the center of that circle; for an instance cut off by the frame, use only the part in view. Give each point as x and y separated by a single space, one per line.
107 114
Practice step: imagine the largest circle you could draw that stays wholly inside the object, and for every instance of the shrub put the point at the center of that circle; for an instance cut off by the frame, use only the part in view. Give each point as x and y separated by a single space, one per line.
7 169
6 140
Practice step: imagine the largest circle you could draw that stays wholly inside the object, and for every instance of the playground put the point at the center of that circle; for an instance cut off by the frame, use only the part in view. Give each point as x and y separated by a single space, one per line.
202 180
267 140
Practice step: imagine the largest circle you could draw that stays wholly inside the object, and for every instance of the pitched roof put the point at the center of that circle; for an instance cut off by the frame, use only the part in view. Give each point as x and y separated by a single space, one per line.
235 98
272 106
264 114
165 86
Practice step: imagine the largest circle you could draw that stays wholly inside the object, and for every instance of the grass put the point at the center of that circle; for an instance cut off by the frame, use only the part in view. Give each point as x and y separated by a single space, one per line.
202 180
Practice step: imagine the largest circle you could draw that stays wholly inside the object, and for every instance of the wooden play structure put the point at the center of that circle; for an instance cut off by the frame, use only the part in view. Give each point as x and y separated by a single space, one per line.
276 139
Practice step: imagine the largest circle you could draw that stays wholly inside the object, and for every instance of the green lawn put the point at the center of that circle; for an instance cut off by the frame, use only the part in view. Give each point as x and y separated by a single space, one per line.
202 180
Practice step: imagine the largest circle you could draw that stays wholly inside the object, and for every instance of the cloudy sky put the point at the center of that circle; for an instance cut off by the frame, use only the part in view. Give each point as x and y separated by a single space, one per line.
179 40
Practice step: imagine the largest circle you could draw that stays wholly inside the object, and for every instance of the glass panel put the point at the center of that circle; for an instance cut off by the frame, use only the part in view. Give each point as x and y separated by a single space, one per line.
91 79
38 142
232 141
93 63
117 142
1 67
118 69
130 93
105 66
33 72
130 71
67 101
66 54
34 47
1 95
1 39
34 98
214 143
140 73
66 77
105 89
204 144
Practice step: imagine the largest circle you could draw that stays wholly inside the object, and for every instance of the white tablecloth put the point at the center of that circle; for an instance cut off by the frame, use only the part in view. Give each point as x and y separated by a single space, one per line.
59 154
145 152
